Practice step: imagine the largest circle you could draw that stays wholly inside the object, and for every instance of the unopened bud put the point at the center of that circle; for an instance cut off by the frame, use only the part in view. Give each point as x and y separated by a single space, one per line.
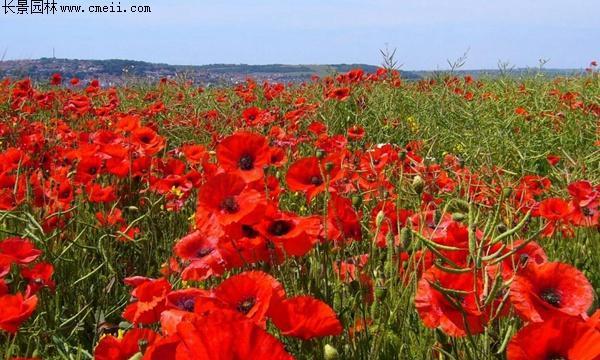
418 184
501 228
329 166
320 153
356 201
330 353
405 237
458 216
379 218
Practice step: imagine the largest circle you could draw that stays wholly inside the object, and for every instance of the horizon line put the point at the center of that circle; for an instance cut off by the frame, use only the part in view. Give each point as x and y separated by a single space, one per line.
305 64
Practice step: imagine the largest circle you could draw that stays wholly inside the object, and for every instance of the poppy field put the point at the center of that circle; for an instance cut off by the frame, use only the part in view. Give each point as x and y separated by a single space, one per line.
356 216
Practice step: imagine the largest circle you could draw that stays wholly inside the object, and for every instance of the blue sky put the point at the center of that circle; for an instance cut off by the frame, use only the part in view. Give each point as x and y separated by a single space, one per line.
426 33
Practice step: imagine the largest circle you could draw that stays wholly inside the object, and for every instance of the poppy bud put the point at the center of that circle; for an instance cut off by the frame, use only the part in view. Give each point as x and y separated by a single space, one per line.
356 201
405 237
506 191
501 228
330 353
418 184
320 153
461 205
379 218
458 216
329 166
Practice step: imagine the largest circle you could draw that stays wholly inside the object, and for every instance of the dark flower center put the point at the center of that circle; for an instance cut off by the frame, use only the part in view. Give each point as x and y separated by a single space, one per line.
587 211
230 205
203 252
280 227
92 171
551 296
316 180
64 194
245 306
246 163
556 357
186 304
249 231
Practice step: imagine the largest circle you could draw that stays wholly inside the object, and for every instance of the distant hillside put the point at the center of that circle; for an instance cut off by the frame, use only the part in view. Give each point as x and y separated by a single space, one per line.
118 71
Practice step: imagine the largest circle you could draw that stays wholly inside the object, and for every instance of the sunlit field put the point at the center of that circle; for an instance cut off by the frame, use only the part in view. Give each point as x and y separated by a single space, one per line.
358 216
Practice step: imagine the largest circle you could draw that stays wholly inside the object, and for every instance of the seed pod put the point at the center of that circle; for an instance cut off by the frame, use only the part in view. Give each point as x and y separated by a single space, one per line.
320 153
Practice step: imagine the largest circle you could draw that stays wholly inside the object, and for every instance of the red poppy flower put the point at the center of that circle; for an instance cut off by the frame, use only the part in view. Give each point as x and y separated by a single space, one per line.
151 301
226 198
112 348
524 255
201 248
554 209
342 221
14 310
250 293
305 317
221 335
88 169
19 250
245 154
541 291
553 159
3 286
56 79
340 94
291 234
147 140
185 299
585 203
99 194
309 175
356 132
456 315
350 269
560 337
40 275
195 154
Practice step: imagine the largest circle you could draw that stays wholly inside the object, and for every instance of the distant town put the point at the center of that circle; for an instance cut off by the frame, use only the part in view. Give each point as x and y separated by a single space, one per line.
116 72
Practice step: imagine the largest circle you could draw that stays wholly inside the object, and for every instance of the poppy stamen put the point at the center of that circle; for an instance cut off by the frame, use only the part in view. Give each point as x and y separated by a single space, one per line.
551 296
245 306
230 205
249 232
280 227
186 304
203 252
316 180
556 357
246 163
